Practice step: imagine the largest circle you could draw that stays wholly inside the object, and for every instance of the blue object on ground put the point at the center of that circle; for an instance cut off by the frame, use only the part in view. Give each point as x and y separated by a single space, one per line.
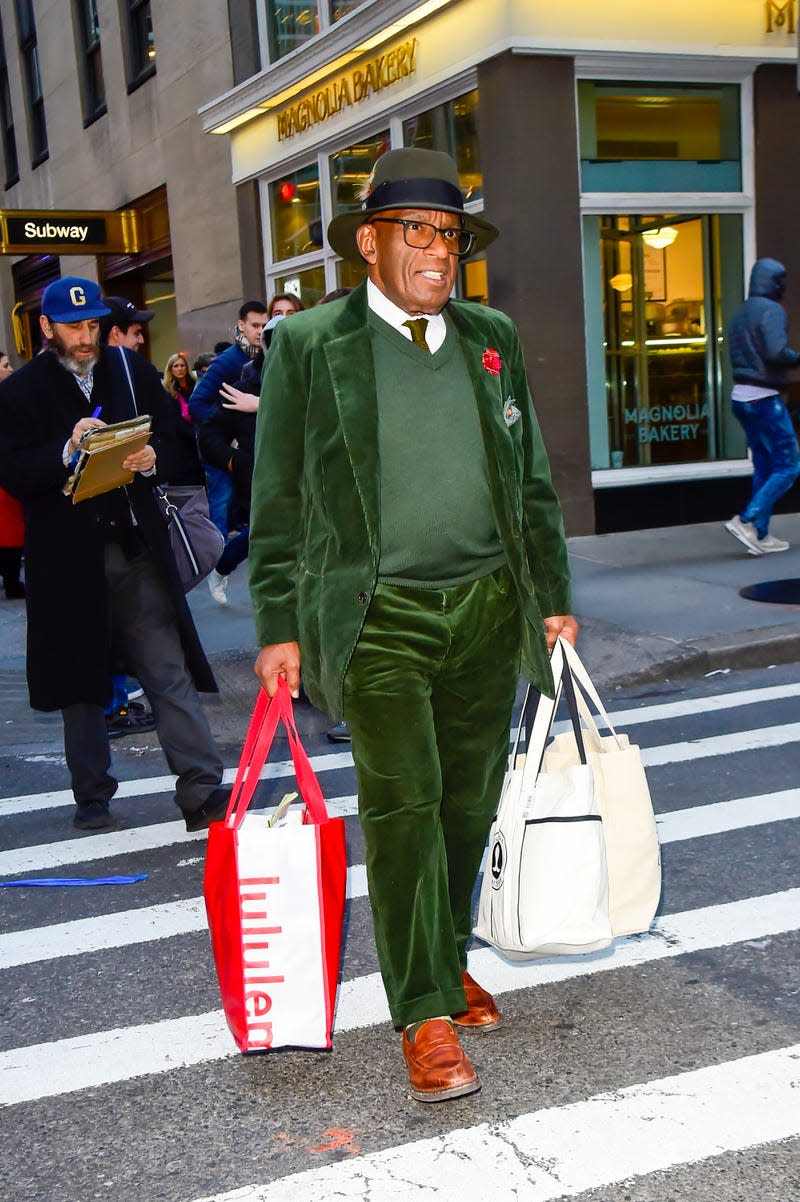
76 880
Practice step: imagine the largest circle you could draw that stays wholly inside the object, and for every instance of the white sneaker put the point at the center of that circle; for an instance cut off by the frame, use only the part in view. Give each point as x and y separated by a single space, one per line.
746 533
770 543
218 587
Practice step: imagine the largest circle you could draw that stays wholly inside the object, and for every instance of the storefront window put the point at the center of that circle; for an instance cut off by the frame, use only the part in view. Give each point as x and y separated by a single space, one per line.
646 137
290 23
474 281
349 274
452 127
665 308
350 169
309 285
341 10
295 214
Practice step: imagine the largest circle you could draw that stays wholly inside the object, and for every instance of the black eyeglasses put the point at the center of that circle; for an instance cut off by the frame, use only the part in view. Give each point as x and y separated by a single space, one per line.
419 235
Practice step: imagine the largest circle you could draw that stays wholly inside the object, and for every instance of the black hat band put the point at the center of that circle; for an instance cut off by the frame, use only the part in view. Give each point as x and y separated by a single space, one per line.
414 193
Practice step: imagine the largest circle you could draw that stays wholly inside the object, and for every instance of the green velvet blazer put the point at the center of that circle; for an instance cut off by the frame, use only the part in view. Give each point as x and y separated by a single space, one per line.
315 516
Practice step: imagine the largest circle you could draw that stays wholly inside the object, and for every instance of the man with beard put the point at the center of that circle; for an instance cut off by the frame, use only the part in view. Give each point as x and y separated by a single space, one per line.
101 578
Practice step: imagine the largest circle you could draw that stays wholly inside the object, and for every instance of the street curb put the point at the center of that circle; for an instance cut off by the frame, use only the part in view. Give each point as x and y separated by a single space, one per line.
758 648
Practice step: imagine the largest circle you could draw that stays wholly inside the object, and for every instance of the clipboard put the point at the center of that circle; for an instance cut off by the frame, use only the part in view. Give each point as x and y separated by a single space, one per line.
99 468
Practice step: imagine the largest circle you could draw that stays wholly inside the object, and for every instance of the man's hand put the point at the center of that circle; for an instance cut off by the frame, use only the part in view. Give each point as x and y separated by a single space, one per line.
276 660
234 398
564 625
81 427
140 461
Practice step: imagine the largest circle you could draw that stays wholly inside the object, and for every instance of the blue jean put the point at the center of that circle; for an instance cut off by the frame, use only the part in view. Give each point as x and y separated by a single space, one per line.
234 552
220 492
776 463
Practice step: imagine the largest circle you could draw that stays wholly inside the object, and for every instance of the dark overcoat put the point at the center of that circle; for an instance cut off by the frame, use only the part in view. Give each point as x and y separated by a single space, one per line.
69 635
315 515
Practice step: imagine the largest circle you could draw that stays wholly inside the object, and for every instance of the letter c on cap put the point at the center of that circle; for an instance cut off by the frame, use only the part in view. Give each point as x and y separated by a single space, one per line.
77 295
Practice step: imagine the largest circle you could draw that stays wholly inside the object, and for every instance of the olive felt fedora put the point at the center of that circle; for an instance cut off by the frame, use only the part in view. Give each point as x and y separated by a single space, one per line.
409 179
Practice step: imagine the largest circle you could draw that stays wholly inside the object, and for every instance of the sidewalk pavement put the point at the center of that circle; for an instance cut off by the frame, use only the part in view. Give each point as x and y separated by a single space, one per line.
653 605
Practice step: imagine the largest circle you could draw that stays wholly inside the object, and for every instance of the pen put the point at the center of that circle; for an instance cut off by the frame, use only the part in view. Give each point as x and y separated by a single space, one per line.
74 460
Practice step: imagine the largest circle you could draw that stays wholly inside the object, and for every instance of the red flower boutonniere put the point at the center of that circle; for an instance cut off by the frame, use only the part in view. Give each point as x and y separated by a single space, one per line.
492 362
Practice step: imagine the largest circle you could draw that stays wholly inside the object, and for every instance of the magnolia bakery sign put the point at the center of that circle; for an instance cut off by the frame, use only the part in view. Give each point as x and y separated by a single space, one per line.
371 77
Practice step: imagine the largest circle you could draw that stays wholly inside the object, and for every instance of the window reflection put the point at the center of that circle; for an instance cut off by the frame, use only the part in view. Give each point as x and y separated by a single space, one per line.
640 121
452 127
341 10
290 23
309 285
295 212
350 169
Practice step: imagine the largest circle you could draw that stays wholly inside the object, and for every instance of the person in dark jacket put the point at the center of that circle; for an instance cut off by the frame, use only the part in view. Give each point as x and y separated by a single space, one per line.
100 575
226 368
227 442
178 457
760 354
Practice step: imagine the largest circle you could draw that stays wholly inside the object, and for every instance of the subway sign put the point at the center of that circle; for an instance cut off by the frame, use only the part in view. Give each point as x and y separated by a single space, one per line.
68 232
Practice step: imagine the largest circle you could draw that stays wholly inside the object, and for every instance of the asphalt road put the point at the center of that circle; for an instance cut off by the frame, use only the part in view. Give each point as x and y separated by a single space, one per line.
666 1069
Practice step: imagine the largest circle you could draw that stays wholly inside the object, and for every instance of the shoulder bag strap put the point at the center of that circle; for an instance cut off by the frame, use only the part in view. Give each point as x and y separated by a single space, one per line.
127 369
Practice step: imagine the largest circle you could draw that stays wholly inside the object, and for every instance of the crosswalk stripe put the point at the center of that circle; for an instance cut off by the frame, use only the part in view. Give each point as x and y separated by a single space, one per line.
668 753
148 923
123 929
145 786
744 740
626 1133
695 706
84 849
90 1060
332 761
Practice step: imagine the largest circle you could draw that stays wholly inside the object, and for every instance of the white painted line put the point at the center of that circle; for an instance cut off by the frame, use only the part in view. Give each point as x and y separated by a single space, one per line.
697 706
362 1002
147 786
123 929
87 1061
147 923
718 817
83 850
718 745
567 1150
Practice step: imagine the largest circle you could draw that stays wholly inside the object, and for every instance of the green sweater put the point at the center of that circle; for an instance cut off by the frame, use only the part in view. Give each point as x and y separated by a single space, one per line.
437 525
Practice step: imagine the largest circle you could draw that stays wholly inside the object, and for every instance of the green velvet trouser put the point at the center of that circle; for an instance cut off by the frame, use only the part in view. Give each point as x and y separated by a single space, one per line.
428 698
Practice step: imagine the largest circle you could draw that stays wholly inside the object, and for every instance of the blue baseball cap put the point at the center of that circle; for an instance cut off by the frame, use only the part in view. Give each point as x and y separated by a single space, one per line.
73 299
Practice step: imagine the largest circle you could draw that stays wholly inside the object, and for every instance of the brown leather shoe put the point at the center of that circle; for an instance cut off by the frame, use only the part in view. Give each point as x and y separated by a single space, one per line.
481 1013
438 1066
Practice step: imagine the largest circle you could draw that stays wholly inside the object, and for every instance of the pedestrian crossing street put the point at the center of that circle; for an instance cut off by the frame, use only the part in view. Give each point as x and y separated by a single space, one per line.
111 1007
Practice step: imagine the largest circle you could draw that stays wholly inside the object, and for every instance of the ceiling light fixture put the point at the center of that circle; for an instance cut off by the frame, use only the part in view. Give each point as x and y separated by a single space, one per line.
661 238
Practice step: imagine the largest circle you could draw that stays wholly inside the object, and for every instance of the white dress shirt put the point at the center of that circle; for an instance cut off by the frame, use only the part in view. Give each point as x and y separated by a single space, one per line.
393 315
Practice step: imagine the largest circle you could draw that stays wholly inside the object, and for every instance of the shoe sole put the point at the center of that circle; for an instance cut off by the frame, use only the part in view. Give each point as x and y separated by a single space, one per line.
745 542
772 550
476 1026
123 734
445 1095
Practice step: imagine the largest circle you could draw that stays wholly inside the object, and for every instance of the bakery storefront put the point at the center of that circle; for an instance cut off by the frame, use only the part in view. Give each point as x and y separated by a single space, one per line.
635 173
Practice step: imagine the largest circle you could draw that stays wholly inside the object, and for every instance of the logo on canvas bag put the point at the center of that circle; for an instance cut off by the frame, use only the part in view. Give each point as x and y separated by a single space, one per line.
497 860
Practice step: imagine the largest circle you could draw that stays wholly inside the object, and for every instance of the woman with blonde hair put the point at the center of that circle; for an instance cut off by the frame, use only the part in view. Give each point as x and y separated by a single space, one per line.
179 381
178 461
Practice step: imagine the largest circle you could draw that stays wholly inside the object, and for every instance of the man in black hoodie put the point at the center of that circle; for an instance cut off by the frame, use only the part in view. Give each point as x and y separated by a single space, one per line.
760 354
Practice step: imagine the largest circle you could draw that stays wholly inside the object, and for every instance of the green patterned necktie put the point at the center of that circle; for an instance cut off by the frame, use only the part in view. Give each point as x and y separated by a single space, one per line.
417 326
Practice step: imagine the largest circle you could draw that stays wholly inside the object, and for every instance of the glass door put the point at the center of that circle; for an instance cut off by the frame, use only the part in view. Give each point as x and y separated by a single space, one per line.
662 337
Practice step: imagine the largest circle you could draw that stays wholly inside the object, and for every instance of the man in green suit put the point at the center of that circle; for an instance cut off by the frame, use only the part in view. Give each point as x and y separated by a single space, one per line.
406 539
